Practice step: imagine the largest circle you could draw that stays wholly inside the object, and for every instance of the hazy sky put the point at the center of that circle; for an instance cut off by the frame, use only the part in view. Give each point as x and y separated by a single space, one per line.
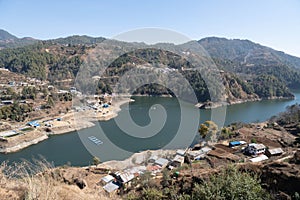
274 23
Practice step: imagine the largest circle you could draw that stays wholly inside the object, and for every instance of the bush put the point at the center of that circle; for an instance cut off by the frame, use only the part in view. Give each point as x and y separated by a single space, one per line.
230 184
253 140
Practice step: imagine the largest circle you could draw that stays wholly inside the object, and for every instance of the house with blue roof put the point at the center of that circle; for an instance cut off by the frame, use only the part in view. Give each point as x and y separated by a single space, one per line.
34 124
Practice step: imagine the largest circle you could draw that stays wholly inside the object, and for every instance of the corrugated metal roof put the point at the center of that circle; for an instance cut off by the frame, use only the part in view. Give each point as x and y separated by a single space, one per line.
126 177
33 123
259 158
110 187
8 133
205 149
195 153
275 151
178 158
234 143
180 152
162 161
107 178
257 146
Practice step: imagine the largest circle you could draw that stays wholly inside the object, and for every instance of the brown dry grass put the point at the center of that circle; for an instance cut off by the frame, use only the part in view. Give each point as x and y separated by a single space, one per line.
34 181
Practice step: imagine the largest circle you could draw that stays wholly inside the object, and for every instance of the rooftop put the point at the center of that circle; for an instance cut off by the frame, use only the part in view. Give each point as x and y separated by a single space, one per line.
178 158
206 149
107 178
162 161
257 146
110 187
126 177
259 158
8 133
275 151
180 152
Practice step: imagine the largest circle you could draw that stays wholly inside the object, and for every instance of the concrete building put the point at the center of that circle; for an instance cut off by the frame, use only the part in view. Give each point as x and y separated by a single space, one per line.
255 149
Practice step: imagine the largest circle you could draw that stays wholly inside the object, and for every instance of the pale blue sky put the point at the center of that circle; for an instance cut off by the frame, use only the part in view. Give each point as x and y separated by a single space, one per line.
274 23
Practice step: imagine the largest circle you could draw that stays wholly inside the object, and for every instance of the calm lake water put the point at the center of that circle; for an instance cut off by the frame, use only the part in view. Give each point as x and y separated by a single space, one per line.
78 150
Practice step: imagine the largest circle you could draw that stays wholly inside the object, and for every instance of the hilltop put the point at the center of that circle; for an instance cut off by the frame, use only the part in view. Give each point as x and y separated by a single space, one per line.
8 40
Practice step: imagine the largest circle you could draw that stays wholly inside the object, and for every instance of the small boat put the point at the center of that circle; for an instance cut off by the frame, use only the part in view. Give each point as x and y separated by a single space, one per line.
95 140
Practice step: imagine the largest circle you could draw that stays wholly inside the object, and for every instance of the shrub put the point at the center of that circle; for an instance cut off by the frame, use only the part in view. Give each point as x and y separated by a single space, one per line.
230 184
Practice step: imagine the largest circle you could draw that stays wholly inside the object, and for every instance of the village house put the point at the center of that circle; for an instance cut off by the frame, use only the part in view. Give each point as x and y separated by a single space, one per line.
162 162
8 134
7 102
180 152
107 179
154 169
111 187
177 161
34 124
198 154
206 149
153 158
236 143
193 155
255 149
274 152
126 177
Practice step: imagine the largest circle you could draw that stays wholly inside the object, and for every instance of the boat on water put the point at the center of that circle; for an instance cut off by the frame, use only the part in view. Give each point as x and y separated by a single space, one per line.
95 140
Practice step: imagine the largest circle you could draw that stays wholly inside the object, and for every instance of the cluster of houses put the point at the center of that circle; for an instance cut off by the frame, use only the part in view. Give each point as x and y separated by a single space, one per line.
259 152
113 181
31 124
96 102
30 82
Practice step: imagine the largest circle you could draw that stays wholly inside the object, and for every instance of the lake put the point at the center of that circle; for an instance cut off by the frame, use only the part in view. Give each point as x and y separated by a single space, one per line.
157 123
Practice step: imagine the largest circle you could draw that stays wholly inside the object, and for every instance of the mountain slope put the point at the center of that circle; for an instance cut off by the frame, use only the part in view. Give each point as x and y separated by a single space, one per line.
246 52
250 71
8 40
4 35
247 58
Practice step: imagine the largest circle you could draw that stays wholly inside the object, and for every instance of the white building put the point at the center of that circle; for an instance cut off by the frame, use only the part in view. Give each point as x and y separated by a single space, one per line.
255 149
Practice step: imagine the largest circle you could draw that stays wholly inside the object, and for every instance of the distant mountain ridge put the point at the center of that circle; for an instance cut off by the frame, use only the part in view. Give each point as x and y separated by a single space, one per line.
8 40
4 35
77 40
231 49
251 71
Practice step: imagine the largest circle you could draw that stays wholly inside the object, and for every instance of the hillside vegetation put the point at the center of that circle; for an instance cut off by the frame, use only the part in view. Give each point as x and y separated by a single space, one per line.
249 71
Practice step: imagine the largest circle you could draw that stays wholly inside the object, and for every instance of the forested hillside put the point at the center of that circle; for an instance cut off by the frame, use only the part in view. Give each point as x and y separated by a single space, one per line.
249 71
248 58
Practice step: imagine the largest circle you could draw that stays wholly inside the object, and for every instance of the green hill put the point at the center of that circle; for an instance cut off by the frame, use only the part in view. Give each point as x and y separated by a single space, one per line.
250 71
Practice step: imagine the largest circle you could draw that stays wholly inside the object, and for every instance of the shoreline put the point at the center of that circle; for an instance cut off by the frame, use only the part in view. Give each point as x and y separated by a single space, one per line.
75 122
212 105
85 119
